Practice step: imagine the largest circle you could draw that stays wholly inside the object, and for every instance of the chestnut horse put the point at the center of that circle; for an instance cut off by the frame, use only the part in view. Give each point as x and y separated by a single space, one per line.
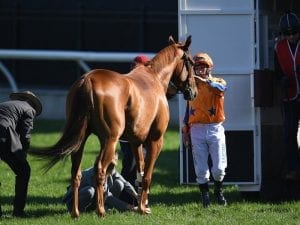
133 106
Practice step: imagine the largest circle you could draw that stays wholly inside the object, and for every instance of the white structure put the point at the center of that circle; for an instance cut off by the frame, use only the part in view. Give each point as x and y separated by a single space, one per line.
227 31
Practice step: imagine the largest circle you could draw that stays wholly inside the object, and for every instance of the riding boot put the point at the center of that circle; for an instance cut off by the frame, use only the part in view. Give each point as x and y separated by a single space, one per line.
204 194
219 193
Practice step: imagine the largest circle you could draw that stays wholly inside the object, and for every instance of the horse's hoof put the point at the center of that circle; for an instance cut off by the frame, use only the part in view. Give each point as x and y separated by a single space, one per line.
145 211
101 212
75 215
101 215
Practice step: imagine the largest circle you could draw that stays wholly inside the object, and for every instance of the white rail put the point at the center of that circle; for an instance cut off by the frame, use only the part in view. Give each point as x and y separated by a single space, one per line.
78 56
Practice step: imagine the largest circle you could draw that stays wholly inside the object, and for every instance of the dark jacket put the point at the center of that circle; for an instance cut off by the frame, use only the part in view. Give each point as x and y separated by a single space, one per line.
287 60
16 123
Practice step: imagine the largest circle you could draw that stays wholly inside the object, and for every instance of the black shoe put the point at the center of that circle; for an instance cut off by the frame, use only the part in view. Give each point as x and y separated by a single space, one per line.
220 198
20 214
205 199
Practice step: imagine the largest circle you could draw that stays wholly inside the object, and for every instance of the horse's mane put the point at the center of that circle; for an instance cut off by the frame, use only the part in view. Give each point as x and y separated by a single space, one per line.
163 58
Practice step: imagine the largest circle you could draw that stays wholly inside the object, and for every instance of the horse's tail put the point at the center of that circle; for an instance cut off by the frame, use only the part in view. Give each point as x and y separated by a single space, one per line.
78 106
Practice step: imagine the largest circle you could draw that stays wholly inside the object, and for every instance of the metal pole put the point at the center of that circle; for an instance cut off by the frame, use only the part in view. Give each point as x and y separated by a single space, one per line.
9 77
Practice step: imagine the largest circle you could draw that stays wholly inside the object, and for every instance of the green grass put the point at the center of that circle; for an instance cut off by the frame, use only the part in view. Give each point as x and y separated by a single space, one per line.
171 203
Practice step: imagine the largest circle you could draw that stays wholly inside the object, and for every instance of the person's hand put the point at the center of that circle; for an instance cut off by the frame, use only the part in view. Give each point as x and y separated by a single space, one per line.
185 129
186 136
136 195
217 85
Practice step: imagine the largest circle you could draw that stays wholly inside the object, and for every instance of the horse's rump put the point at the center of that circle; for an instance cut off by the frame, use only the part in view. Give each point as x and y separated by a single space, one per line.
79 104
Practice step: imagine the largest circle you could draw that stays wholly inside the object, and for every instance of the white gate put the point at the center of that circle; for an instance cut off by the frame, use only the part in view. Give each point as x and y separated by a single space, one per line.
226 30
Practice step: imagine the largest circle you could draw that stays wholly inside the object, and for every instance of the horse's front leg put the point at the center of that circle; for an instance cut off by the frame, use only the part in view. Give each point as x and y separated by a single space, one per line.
143 200
143 203
150 159
143 206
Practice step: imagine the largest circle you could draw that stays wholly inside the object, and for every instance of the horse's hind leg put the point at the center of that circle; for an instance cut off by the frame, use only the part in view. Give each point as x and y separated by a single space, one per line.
102 162
76 178
100 179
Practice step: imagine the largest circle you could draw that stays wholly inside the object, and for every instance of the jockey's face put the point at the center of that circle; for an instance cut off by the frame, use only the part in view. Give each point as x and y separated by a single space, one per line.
292 37
202 70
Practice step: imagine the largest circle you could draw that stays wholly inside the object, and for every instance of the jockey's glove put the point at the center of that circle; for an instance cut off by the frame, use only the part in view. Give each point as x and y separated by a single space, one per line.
217 85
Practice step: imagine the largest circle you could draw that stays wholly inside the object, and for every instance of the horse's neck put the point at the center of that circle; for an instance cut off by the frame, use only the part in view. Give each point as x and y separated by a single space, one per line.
166 73
164 68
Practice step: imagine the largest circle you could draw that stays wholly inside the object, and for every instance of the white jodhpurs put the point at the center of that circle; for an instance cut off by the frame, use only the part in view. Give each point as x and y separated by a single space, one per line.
209 139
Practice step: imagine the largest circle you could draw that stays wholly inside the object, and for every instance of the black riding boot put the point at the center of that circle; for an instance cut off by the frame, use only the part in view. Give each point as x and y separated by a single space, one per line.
204 194
219 193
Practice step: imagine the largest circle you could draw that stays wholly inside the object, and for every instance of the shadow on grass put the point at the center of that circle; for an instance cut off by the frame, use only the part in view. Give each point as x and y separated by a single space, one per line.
43 210
192 196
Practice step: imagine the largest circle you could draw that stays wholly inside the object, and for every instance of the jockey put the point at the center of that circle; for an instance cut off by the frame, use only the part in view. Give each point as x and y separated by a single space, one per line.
203 119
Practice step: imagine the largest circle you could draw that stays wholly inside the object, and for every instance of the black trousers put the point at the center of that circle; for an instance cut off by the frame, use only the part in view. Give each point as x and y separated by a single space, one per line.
128 163
18 163
128 170
291 123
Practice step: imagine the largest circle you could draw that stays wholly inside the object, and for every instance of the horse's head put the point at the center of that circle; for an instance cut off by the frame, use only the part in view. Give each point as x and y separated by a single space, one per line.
183 80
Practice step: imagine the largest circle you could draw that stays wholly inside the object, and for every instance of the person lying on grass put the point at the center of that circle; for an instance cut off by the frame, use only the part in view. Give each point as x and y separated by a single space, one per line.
114 186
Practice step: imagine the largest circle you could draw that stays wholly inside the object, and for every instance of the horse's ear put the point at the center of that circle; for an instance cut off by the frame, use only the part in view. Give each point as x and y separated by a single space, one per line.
188 42
171 40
